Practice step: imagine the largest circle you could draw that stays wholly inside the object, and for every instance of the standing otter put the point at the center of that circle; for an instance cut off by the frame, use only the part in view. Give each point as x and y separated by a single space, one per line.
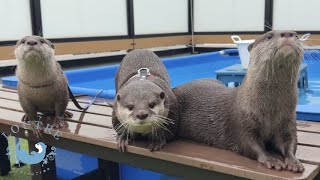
145 105
256 119
42 85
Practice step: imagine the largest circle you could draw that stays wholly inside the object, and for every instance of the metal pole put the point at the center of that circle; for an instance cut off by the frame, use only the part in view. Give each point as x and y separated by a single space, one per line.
192 26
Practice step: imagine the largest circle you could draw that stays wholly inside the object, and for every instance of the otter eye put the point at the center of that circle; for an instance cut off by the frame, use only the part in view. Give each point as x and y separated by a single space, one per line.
42 41
269 36
23 41
151 105
130 107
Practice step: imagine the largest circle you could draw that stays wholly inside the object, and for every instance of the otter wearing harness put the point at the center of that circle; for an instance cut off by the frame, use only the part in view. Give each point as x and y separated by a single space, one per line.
145 105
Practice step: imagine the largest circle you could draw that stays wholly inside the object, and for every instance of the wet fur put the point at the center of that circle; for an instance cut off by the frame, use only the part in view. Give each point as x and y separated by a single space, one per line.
128 86
255 119
39 68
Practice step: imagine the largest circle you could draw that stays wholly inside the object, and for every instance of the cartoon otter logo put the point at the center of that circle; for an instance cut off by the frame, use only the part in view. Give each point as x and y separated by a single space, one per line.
33 157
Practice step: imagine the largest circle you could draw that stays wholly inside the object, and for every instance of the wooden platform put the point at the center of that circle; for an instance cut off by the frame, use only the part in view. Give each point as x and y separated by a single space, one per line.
91 133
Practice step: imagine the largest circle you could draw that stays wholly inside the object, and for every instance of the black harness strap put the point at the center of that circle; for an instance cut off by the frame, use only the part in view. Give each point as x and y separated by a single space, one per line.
75 102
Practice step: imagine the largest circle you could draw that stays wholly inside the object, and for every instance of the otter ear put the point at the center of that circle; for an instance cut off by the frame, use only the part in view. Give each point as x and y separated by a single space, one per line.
250 47
49 43
162 95
118 97
18 42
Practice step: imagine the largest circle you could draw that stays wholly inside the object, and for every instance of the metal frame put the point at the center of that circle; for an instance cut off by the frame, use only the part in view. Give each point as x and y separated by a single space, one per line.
268 15
36 20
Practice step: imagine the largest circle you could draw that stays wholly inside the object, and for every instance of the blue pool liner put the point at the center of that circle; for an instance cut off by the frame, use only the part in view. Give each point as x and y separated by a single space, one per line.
133 173
70 165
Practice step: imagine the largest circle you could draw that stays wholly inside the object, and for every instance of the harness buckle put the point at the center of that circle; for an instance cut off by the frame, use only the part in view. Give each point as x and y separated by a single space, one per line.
143 73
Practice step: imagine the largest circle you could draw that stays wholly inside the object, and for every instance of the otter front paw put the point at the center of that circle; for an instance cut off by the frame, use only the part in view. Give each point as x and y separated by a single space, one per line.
156 146
123 141
58 123
272 162
294 165
37 129
25 118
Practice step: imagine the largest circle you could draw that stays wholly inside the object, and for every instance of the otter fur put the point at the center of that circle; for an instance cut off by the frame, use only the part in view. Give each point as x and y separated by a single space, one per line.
257 119
145 106
42 86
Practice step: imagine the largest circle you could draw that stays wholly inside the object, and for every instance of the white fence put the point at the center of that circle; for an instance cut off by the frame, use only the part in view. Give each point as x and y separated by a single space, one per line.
106 18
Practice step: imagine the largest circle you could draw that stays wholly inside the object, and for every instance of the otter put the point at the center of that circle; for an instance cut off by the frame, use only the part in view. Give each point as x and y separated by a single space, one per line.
145 106
256 119
42 86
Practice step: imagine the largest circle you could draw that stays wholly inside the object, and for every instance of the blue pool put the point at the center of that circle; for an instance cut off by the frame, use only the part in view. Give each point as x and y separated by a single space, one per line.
187 68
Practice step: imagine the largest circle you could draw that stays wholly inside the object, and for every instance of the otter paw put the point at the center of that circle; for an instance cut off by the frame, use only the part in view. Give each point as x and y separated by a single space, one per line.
24 118
67 114
58 123
294 165
122 145
37 129
156 146
272 162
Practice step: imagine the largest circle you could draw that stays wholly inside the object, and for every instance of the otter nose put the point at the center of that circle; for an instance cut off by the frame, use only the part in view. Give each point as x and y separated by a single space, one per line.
287 34
142 116
32 42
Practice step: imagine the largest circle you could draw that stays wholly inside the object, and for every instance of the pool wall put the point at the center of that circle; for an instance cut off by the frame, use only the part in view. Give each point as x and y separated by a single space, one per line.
98 73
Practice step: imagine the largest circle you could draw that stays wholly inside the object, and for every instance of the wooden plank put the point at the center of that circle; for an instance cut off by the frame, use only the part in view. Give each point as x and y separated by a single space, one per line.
87 130
81 117
106 121
309 139
307 154
161 41
197 155
308 126
96 109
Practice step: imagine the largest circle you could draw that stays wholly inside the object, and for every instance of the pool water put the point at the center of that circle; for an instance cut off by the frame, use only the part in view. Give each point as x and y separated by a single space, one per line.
178 75
312 95
206 67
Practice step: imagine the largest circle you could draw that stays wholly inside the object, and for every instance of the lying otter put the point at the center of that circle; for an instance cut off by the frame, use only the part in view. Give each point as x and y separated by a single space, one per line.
145 105
256 119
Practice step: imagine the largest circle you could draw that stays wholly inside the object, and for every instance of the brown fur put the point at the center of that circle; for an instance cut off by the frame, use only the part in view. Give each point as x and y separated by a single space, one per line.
42 85
258 118
139 94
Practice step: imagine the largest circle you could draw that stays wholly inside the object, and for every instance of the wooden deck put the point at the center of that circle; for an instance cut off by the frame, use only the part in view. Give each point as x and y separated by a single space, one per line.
91 133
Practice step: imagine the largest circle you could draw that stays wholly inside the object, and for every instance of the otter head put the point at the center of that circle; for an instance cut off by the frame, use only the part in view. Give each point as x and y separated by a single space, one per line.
282 46
140 107
32 48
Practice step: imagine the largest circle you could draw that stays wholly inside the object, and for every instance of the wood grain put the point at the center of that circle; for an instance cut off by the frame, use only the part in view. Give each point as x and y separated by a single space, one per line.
94 109
95 129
